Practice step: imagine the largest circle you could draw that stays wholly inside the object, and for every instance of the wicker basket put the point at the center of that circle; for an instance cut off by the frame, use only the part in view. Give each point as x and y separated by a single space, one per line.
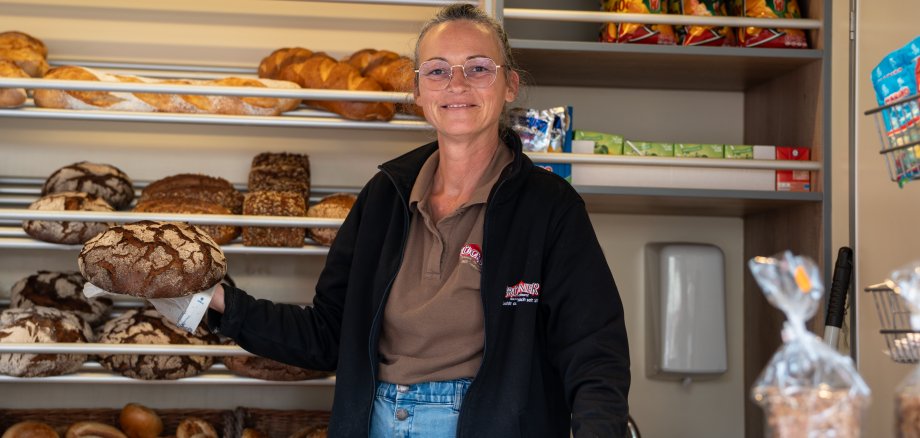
278 423
223 421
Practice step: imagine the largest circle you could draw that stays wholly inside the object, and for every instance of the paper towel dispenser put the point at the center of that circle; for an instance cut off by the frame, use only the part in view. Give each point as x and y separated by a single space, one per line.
685 311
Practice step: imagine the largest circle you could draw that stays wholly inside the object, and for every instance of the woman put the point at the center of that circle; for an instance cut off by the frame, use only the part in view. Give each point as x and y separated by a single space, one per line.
466 293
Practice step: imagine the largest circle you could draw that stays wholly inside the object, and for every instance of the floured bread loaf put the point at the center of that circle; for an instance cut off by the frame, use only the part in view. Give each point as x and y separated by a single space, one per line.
102 180
149 327
197 187
67 232
41 325
60 290
274 204
222 234
263 368
335 206
153 260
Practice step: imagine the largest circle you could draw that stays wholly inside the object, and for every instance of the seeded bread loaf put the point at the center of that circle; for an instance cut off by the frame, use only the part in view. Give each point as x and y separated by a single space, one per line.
222 234
60 290
274 204
153 260
101 180
335 206
67 232
41 325
201 188
149 327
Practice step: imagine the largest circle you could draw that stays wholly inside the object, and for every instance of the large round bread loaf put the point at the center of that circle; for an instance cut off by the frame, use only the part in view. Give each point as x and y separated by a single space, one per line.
153 260
197 187
149 327
40 325
102 180
60 290
258 367
30 429
334 206
222 234
67 232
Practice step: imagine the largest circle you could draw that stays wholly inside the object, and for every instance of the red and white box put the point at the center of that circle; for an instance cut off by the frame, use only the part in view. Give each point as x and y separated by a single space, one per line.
793 180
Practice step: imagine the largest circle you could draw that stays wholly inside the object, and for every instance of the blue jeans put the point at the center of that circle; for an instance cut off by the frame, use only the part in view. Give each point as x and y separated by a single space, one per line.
423 410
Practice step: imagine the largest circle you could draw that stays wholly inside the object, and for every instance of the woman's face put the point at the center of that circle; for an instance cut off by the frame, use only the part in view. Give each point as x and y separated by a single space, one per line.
461 111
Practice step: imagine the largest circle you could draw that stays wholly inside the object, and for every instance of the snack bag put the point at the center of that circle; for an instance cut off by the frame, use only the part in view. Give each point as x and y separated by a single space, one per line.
906 283
644 33
807 389
777 38
703 35
548 130
608 30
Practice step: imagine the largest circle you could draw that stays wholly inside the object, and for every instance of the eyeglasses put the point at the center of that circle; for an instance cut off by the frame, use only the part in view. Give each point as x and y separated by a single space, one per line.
479 72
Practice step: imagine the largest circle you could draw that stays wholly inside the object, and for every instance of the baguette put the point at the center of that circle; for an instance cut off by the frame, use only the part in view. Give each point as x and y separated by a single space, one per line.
271 65
161 102
11 97
323 72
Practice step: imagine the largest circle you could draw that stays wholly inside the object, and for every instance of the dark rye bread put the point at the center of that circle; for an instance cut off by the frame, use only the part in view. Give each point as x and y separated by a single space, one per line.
282 159
147 326
335 206
102 180
153 260
274 204
67 232
280 178
198 187
222 234
263 368
41 325
60 290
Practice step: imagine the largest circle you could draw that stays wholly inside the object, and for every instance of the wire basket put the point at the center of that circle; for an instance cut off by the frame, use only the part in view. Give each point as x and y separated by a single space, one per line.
894 314
898 125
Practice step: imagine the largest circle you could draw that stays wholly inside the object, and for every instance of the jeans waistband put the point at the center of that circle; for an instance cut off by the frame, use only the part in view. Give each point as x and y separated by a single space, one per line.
446 391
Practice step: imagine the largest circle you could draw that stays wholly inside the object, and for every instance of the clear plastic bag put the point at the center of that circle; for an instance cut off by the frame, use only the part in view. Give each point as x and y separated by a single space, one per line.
807 389
906 283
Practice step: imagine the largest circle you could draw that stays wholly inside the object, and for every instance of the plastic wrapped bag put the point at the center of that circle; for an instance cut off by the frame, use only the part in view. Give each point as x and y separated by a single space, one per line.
807 389
906 282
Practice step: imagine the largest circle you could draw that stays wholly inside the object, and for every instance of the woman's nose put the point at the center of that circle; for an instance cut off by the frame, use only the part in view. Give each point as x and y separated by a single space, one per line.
454 78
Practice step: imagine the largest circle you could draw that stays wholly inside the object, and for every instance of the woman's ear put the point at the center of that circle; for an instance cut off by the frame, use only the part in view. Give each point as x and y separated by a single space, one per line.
514 83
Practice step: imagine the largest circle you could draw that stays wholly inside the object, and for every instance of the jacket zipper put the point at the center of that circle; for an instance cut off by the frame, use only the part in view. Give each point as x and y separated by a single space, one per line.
482 297
386 293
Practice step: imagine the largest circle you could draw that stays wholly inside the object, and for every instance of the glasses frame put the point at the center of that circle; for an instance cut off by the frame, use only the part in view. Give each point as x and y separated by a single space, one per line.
450 76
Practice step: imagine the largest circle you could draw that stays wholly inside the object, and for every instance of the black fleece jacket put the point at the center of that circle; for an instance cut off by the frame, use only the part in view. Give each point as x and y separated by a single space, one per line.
555 353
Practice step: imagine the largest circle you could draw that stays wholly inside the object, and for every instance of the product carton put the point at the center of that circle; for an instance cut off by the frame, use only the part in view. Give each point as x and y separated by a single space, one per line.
793 180
648 149
739 151
684 150
608 144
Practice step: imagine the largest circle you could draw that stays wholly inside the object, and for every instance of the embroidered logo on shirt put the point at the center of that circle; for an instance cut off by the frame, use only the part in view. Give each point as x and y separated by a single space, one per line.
521 293
471 254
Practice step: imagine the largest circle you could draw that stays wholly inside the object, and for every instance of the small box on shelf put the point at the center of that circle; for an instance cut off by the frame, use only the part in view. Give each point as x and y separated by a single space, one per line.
648 149
793 180
695 150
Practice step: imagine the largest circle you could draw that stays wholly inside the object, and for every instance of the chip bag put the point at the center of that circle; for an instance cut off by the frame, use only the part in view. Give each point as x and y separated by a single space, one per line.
807 389
776 38
703 35
639 33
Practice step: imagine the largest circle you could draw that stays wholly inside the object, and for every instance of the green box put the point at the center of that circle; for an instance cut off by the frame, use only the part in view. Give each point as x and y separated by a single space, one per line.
607 144
648 149
739 152
695 150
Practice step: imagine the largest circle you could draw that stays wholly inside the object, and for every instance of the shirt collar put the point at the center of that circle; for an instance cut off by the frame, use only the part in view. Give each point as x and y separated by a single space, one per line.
500 159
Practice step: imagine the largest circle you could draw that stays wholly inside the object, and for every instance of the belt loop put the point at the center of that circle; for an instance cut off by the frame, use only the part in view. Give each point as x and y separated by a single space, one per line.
459 393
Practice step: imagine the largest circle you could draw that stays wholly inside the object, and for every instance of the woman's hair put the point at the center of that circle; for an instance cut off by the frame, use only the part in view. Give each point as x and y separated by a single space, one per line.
468 12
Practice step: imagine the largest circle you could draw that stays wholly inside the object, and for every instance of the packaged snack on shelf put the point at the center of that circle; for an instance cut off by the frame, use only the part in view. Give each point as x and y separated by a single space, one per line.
548 130
776 38
607 144
693 150
638 33
739 152
648 149
703 35
793 180
807 388
894 78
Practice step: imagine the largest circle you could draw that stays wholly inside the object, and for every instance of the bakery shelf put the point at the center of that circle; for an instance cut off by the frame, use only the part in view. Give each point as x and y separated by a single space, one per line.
195 219
690 202
683 20
233 248
96 348
713 163
596 64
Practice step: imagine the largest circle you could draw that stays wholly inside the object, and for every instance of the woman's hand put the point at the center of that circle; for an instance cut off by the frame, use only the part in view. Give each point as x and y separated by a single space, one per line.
217 299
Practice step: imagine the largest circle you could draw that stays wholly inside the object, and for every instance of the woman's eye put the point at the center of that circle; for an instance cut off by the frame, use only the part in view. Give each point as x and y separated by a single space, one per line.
437 72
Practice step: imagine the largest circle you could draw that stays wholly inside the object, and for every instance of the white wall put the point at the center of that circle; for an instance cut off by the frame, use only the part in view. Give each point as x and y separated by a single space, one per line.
143 31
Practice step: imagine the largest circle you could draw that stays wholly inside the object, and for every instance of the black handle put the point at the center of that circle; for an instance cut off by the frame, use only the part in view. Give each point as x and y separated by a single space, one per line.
840 284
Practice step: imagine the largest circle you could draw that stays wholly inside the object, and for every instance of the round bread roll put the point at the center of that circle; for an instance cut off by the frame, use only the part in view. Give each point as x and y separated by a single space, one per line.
333 206
92 429
30 429
102 180
197 187
39 325
60 290
194 427
319 431
153 260
20 40
221 234
67 232
149 327
139 421
253 433
11 97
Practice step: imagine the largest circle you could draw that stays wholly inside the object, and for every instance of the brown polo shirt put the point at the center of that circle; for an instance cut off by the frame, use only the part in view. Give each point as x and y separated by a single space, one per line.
432 322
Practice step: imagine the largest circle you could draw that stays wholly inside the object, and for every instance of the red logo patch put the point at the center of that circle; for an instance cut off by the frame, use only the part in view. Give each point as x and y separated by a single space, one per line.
521 293
471 253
